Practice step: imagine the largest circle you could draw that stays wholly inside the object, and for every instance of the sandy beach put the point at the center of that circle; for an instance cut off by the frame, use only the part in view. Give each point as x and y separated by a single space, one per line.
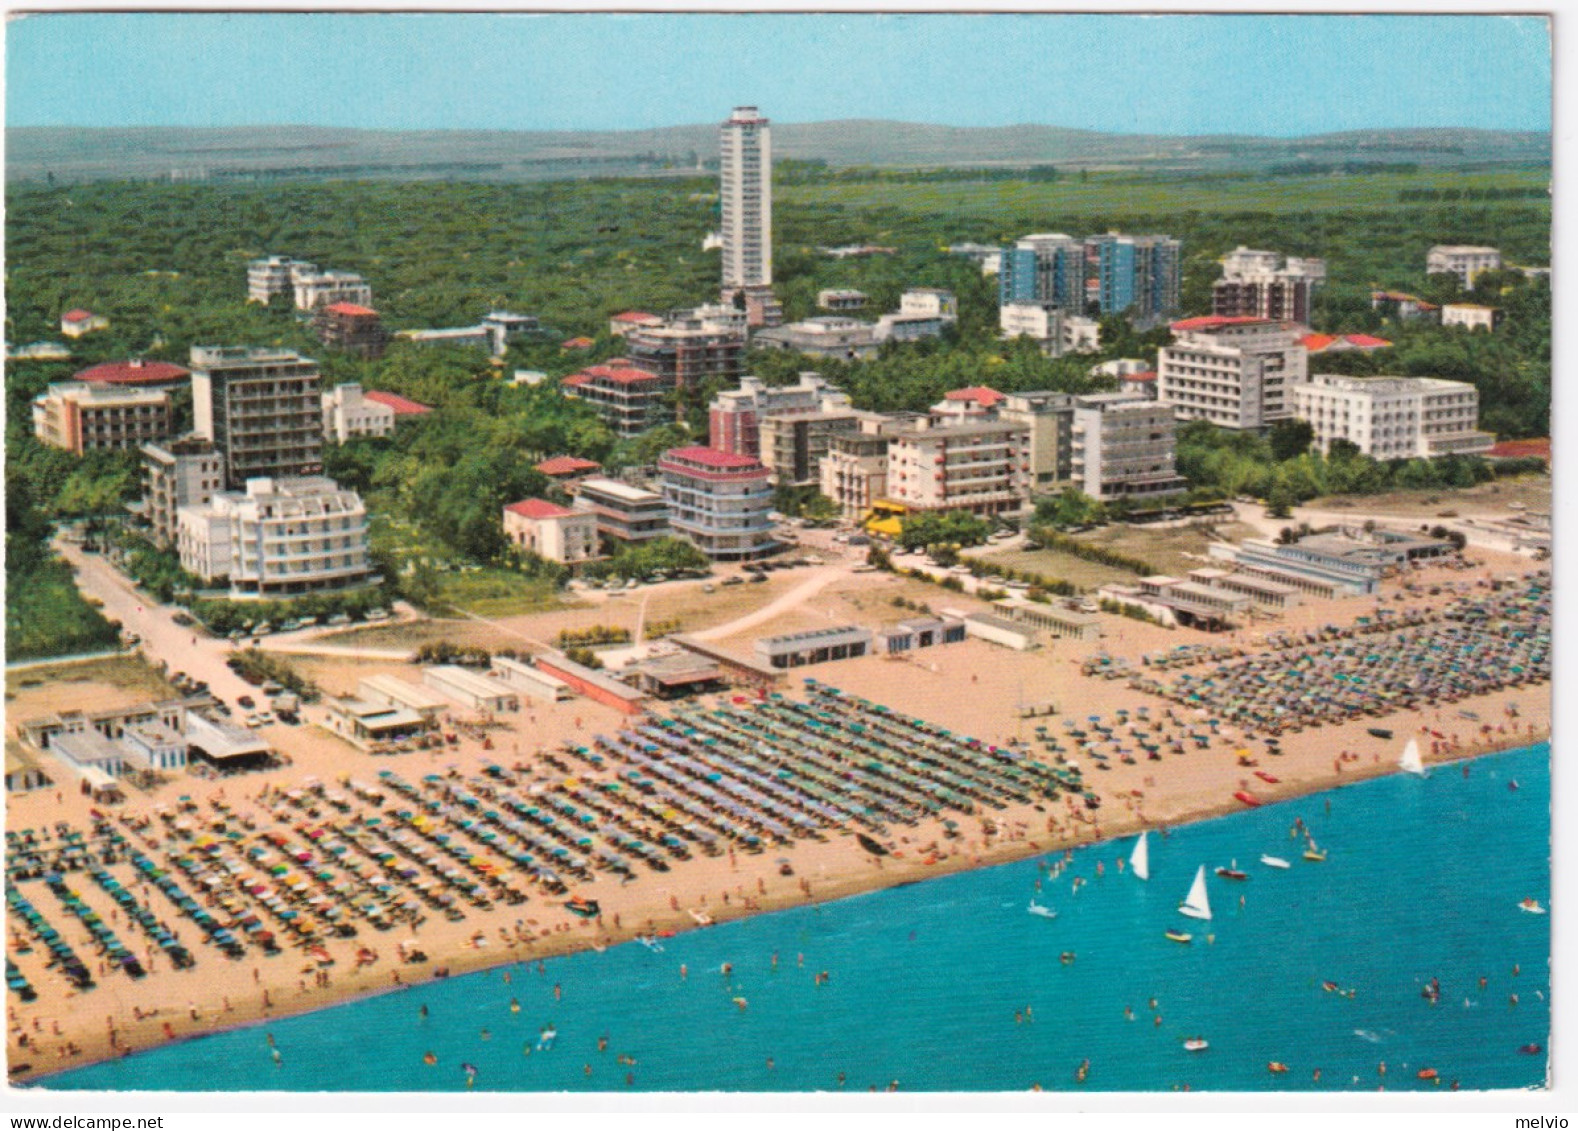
971 688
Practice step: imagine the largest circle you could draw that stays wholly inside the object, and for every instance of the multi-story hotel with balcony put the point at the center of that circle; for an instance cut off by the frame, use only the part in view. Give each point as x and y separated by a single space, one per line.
854 472
1124 447
278 537
719 502
734 416
1234 372
185 472
262 407
629 398
690 348
979 466
82 417
1393 417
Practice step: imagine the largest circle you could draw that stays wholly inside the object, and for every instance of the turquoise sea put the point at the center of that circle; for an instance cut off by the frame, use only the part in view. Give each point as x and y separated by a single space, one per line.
1423 880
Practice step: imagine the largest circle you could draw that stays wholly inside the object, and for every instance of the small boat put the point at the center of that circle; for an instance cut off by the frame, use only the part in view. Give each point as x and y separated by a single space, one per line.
1196 1044
1066 958
1196 904
1532 906
1426 1074
650 943
585 908
1247 798
1269 779
1313 853
1275 862
1232 872
1329 987
701 918
1180 936
1276 1068
1140 858
1530 1050
1412 761
870 845
1380 732
1044 912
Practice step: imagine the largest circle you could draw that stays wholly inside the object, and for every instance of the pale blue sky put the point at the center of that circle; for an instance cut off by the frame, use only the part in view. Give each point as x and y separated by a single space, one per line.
1278 75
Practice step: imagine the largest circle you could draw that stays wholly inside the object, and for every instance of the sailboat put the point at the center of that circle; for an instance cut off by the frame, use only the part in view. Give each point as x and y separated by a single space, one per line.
1140 858
1042 910
1411 760
1197 905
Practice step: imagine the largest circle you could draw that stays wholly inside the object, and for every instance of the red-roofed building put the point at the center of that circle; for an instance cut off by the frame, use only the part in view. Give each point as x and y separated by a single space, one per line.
621 324
77 322
577 344
719 501
550 531
1339 343
134 372
1214 321
398 404
565 469
1142 383
351 327
1403 306
979 394
1520 449
628 398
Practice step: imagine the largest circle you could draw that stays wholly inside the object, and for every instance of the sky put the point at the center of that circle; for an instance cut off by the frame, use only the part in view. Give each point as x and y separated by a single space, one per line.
1179 74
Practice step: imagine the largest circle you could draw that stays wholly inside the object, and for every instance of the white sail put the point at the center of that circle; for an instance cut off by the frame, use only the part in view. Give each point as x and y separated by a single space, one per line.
1197 905
1140 858
1411 760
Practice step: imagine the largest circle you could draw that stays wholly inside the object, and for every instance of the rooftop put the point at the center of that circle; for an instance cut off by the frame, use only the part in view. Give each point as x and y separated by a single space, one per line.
133 372
540 508
618 370
621 491
1217 321
567 465
713 457
401 406
980 394
350 309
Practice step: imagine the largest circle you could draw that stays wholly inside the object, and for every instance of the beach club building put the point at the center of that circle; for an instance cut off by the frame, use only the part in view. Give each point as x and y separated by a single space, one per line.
530 680
375 726
923 632
392 691
469 689
1001 631
1060 621
818 646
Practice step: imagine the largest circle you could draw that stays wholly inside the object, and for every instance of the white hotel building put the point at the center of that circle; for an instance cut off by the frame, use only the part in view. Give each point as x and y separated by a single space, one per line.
979 467
1233 371
279 537
1393 417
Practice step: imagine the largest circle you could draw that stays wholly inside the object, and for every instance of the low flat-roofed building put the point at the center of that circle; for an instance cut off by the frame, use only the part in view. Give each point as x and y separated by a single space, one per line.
531 680
817 646
1000 630
225 745
624 513
1263 592
347 414
839 299
23 769
90 748
1057 619
672 677
375 726
392 691
823 336
920 632
154 746
739 669
82 417
1352 562
594 685
550 531
1471 315
470 689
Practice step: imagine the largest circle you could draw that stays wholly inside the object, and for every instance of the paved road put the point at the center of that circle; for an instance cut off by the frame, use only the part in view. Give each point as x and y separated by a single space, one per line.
200 656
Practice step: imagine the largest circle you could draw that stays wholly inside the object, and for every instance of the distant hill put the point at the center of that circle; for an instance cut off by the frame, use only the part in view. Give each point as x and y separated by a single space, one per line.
249 153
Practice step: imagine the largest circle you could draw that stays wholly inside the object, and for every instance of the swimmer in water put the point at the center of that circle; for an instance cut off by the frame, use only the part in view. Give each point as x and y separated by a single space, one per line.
429 1059
515 1006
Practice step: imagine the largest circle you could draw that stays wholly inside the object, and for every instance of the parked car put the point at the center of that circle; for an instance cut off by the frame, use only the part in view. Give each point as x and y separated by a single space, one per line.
185 620
246 701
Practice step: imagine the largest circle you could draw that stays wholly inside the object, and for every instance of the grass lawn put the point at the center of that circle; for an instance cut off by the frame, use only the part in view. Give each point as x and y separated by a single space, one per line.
499 593
1173 551
46 615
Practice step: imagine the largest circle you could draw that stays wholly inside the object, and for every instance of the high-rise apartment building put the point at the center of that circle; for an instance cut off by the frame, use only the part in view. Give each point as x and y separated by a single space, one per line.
1048 268
262 407
735 415
1264 284
746 189
1125 447
1136 276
